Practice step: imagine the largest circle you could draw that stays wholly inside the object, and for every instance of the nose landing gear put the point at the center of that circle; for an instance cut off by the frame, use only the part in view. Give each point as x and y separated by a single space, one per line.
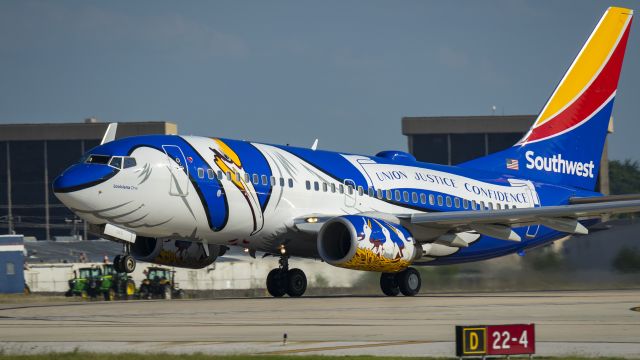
125 263
407 282
282 281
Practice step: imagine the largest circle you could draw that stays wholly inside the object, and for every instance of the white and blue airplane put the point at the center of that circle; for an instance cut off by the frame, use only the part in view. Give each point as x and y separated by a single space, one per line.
184 200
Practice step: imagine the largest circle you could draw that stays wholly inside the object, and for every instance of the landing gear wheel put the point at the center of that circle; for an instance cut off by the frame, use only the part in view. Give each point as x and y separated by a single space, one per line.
276 282
389 285
296 282
117 265
409 281
128 263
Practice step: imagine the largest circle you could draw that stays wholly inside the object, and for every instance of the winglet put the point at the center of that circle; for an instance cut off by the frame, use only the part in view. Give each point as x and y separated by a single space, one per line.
110 134
315 145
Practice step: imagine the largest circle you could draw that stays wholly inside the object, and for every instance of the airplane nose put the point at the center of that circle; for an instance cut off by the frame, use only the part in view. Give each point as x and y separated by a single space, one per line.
82 176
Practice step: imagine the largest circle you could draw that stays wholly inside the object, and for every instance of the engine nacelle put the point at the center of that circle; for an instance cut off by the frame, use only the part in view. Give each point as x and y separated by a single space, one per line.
170 252
365 243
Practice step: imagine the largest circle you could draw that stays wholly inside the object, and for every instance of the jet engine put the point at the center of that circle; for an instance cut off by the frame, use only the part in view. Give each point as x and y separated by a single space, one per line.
365 243
171 252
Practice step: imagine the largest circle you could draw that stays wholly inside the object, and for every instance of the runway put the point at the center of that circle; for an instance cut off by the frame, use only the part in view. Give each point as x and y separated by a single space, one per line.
569 322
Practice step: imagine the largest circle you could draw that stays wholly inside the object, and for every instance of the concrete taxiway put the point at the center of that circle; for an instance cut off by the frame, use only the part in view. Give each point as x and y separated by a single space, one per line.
587 323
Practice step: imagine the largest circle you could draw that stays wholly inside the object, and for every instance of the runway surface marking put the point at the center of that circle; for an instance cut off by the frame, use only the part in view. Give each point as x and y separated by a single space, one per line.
342 347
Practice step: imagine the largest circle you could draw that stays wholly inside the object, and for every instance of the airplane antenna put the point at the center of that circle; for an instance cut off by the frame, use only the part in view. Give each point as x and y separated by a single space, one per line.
315 145
110 134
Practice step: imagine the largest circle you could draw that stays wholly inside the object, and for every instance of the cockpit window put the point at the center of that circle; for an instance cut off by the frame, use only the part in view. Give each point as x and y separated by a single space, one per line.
98 159
116 162
131 162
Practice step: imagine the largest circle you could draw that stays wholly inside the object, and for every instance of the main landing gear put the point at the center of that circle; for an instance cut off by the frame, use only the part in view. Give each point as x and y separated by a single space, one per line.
407 282
282 281
125 263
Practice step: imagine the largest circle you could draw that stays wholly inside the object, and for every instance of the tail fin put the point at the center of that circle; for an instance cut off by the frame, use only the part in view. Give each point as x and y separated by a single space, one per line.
564 145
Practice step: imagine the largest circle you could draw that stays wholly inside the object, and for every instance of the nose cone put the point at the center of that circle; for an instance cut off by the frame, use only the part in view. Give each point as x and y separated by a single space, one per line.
82 176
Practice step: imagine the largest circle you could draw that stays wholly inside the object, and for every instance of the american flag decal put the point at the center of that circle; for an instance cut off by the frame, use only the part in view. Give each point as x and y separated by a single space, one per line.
512 164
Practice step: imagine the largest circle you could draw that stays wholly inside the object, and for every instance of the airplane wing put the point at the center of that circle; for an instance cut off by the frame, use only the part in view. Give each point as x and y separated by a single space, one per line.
499 223
495 223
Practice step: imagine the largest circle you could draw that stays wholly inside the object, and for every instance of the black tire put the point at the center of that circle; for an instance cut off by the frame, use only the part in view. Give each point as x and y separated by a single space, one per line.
178 294
409 281
296 283
109 295
389 285
117 263
276 283
128 264
69 293
144 292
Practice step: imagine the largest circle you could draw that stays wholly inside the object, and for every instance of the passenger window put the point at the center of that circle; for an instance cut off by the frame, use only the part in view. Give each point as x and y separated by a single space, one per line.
333 187
432 200
273 181
482 207
397 193
490 205
465 203
448 201
473 205
237 177
129 162
308 184
405 196
440 201
423 199
379 194
316 186
210 174
341 189
201 173
350 189
264 180
256 179
325 187
388 194
360 191
371 192
498 206
228 175
220 175
414 197
247 178
290 183
116 162
456 203
281 182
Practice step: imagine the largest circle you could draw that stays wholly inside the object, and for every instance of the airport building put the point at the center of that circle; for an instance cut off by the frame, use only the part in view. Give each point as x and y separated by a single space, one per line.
32 155
451 140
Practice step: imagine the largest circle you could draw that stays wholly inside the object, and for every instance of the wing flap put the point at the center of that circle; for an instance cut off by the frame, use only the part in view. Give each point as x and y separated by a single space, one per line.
560 217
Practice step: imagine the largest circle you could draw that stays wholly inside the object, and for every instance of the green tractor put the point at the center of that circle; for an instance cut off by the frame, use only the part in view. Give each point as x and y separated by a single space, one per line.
85 283
115 285
159 284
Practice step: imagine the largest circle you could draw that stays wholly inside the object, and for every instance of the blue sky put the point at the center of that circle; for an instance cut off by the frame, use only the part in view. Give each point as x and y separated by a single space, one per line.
290 71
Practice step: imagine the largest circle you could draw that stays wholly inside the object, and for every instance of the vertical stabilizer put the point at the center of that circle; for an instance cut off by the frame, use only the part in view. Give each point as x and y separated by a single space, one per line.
564 145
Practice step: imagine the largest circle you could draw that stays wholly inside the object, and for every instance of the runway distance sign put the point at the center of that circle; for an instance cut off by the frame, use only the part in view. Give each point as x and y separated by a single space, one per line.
482 340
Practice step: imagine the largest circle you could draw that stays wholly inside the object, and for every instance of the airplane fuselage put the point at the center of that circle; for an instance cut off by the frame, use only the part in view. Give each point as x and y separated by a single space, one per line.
245 194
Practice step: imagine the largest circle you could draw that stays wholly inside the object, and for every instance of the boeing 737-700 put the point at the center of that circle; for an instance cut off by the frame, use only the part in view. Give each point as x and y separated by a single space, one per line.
184 200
